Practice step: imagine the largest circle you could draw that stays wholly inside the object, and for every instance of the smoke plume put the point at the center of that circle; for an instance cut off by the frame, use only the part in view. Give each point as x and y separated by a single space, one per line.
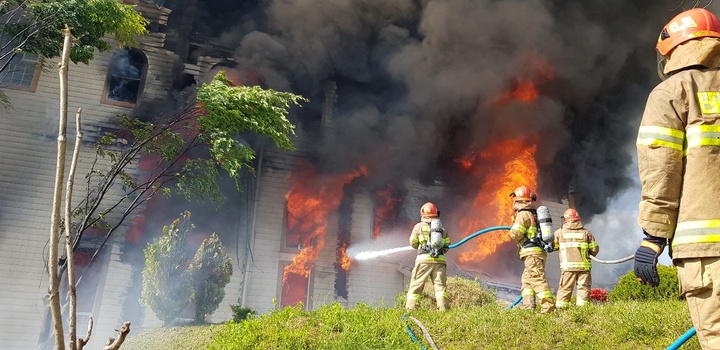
421 81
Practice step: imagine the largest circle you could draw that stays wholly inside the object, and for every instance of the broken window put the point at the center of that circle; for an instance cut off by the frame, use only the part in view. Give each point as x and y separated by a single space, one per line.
21 72
126 78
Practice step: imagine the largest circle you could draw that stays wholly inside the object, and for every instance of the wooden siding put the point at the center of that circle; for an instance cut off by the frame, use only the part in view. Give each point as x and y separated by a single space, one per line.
28 139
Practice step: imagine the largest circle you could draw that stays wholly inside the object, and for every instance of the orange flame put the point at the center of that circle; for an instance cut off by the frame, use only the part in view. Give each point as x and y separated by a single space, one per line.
345 261
525 87
311 198
500 168
387 210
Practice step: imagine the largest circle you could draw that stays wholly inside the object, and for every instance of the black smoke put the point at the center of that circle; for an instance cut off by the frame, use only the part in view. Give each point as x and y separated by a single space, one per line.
416 80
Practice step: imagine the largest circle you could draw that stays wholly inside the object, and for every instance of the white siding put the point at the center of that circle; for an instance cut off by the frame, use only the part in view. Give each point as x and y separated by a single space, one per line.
373 282
28 139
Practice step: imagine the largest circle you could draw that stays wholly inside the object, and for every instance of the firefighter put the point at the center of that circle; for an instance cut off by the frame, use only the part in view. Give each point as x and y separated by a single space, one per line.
432 241
678 160
533 252
575 245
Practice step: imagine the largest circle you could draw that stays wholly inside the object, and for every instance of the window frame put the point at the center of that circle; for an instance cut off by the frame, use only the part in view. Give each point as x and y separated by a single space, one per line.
141 85
307 302
35 77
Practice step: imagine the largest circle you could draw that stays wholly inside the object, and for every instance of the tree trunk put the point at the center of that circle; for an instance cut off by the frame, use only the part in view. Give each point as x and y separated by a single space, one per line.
53 288
72 295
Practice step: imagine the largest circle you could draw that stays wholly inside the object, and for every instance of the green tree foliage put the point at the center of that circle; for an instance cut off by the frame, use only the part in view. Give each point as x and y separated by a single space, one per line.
194 148
211 270
628 287
36 26
241 313
166 279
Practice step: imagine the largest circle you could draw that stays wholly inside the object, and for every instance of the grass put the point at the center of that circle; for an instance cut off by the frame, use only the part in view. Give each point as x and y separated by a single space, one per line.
474 322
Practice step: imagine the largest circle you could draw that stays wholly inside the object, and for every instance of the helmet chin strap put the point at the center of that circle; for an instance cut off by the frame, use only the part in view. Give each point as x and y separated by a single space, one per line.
661 61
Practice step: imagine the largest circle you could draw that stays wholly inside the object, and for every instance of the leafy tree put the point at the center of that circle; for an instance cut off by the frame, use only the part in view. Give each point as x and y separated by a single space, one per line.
192 147
211 270
166 278
36 27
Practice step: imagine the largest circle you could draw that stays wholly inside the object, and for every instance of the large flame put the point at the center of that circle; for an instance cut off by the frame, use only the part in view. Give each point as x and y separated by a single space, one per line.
311 198
500 168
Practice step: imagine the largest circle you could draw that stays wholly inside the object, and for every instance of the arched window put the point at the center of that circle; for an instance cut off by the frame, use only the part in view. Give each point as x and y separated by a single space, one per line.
126 78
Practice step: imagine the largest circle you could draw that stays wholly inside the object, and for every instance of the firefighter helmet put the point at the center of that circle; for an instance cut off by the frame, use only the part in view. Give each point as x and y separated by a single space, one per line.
691 24
523 194
571 215
429 210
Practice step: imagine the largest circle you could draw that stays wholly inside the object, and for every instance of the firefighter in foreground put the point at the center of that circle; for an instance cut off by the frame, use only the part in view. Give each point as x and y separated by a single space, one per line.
432 241
679 161
533 251
575 244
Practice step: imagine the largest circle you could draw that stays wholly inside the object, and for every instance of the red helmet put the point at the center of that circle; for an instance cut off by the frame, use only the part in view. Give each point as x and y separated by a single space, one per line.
571 215
523 194
691 24
429 210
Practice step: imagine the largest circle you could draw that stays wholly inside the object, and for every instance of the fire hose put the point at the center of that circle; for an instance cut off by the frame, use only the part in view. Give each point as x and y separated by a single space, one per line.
424 330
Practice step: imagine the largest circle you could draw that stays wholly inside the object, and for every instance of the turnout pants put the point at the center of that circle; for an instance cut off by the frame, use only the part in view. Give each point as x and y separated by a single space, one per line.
568 281
699 280
535 284
437 272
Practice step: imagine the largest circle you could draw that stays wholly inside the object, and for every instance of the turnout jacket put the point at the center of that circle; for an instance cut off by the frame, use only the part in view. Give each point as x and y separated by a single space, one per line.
525 228
575 245
421 236
678 149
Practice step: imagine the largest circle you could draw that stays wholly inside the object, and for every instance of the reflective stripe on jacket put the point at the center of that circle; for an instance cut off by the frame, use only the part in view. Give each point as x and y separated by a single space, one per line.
575 245
523 229
421 236
678 148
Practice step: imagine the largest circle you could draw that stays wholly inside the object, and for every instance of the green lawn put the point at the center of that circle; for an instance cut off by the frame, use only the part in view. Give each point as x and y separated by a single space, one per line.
614 325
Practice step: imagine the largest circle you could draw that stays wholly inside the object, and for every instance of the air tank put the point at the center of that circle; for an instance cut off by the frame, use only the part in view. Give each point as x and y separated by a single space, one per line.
545 222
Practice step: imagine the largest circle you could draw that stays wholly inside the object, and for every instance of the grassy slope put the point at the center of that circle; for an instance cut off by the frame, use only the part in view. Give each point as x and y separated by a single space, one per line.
616 325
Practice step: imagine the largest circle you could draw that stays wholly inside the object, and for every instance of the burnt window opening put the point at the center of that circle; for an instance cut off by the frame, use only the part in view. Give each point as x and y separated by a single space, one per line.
294 288
342 260
126 78
294 237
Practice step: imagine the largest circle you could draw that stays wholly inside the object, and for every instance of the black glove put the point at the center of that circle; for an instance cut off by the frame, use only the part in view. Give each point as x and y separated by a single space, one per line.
646 258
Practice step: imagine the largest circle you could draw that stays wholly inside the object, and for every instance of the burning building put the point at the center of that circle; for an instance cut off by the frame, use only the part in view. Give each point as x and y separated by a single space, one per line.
451 102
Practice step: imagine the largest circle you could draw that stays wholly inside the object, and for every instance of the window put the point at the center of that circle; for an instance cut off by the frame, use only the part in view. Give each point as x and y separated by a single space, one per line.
126 78
295 237
294 288
21 73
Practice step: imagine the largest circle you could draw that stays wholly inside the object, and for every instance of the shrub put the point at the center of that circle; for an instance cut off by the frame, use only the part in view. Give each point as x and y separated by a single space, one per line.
166 281
211 270
628 287
462 292
241 313
171 280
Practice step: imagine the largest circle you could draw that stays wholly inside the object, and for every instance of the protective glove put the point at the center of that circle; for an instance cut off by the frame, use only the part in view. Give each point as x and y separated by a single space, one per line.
646 258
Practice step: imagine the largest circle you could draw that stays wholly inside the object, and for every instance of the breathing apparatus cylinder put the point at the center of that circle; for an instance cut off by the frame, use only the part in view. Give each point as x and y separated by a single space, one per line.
436 241
545 223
